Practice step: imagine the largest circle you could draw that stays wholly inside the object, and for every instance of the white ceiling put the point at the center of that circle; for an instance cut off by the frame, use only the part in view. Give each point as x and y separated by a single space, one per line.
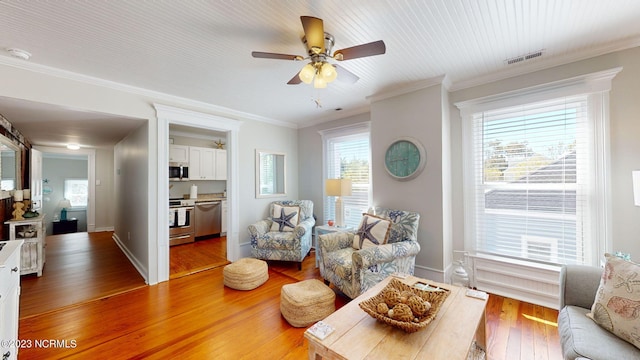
201 50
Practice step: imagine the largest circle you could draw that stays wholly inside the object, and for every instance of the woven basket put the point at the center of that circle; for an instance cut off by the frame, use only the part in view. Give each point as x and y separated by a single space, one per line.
436 298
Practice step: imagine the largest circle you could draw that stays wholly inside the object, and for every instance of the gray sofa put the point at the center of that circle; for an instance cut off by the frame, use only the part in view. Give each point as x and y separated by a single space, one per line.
581 337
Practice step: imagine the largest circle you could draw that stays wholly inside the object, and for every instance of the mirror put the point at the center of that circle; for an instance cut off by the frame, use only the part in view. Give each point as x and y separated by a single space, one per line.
270 174
9 167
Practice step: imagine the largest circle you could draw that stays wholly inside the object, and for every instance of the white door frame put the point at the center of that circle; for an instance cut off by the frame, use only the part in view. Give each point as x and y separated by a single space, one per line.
91 177
170 115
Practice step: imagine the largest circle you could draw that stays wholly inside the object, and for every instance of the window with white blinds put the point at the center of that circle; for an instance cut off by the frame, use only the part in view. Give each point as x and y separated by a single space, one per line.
348 156
535 175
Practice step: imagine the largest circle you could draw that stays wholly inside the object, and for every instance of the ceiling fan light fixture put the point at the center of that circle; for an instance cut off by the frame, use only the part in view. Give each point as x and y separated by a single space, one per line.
319 82
328 72
307 73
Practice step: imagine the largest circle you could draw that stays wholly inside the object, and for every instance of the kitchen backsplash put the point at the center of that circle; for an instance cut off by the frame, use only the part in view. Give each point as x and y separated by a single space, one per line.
179 189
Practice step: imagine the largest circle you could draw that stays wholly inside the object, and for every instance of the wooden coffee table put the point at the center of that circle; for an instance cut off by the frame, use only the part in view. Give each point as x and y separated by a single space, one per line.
460 320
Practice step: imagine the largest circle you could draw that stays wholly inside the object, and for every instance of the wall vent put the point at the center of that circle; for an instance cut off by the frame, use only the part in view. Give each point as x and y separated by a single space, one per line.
521 58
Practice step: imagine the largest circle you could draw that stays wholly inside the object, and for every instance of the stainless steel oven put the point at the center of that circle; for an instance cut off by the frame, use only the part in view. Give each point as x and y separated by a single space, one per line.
181 221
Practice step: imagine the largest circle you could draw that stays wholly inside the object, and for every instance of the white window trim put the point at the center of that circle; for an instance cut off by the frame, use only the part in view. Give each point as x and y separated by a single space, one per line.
346 130
596 84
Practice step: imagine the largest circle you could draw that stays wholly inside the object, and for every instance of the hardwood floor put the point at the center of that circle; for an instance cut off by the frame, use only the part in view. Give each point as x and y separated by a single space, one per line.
197 317
187 259
78 267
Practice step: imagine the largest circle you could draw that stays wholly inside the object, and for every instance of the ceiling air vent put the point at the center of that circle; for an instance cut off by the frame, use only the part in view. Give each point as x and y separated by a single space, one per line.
525 57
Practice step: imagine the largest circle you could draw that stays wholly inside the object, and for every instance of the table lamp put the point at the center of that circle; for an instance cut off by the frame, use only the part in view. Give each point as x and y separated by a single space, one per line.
338 188
64 204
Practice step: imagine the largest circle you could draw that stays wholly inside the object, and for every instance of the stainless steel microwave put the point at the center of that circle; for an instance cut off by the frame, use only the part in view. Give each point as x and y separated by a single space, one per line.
178 171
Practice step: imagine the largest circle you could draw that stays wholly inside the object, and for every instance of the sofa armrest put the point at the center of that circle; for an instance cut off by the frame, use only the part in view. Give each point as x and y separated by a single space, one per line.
386 253
335 241
578 285
304 227
259 228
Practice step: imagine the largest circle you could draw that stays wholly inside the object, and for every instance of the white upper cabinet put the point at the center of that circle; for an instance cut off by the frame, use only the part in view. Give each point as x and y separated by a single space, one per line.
179 153
207 164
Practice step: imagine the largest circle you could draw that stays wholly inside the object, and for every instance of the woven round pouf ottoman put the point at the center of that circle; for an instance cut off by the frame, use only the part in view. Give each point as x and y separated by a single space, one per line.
246 274
306 302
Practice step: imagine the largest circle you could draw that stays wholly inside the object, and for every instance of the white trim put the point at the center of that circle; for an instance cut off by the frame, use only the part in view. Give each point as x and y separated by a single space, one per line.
170 115
91 177
140 267
223 111
583 84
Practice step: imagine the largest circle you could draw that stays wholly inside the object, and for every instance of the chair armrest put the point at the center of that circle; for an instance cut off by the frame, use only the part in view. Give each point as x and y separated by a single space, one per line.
335 241
304 227
578 285
260 228
386 253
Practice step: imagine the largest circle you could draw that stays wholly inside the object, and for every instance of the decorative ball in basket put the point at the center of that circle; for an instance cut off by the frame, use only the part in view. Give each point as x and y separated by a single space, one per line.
404 306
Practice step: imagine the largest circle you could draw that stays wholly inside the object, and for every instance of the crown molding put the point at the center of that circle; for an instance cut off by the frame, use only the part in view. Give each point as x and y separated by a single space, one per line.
156 95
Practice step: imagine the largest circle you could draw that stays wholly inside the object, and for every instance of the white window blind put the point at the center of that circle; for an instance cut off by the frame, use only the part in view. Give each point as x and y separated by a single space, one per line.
532 190
348 155
77 192
535 171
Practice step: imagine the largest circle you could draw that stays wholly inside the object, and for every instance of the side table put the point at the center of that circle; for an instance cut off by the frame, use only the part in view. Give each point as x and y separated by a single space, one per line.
325 229
65 226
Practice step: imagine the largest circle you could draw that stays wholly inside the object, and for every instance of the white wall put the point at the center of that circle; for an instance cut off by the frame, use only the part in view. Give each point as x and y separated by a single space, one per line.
417 114
131 195
104 210
624 134
262 136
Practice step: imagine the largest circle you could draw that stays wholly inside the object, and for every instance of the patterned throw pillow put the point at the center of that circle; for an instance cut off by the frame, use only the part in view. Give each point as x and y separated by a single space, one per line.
285 218
617 303
372 231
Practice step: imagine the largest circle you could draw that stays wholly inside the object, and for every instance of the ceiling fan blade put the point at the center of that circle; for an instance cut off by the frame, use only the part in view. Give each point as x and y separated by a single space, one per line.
370 49
345 75
314 33
295 80
267 55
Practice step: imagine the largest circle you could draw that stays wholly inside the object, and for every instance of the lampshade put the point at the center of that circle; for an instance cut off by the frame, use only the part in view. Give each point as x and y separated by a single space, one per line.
636 187
328 72
307 73
338 187
319 82
64 203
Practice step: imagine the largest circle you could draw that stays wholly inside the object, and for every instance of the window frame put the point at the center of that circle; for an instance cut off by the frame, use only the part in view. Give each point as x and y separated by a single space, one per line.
328 135
596 86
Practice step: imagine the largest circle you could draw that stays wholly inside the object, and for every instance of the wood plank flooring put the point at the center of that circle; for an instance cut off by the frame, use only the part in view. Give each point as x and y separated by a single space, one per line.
79 267
196 317
187 259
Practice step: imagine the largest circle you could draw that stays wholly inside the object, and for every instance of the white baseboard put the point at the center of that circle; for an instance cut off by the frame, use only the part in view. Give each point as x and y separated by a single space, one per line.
430 274
137 264
101 229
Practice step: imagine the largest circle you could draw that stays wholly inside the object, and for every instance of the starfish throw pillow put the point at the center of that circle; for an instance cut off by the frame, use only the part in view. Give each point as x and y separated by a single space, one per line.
372 231
285 218
617 303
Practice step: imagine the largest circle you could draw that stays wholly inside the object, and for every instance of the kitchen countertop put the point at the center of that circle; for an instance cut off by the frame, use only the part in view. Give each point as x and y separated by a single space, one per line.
208 197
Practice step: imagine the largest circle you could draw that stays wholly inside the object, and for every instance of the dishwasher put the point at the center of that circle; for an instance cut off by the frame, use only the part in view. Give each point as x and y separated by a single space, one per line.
208 221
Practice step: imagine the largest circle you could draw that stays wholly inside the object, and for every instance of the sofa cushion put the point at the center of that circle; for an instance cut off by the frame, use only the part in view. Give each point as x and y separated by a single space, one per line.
617 304
285 218
373 231
581 337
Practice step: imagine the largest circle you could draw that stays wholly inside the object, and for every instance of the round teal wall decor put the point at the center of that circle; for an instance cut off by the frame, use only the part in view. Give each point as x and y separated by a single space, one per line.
405 158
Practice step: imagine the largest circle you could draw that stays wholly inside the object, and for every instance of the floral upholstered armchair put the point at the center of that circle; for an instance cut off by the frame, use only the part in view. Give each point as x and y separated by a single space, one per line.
383 244
285 234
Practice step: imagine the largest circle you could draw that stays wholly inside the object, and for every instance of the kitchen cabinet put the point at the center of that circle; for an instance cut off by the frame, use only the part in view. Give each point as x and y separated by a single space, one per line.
9 297
179 153
223 222
207 163
33 232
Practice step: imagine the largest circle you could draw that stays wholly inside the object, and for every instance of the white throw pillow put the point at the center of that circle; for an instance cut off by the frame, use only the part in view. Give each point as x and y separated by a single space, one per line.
617 303
285 218
372 231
